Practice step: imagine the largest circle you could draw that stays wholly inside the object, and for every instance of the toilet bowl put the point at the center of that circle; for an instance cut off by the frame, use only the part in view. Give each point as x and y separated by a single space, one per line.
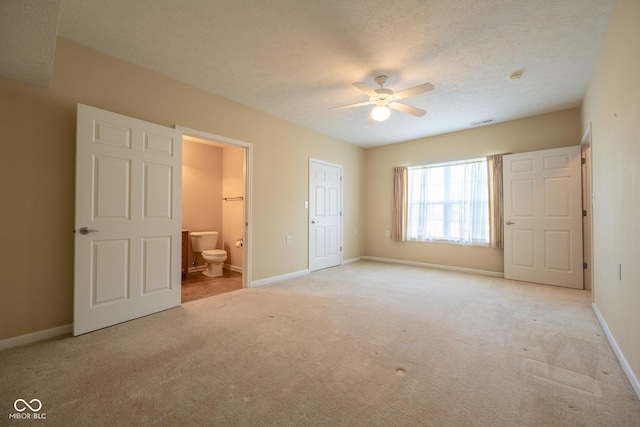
204 242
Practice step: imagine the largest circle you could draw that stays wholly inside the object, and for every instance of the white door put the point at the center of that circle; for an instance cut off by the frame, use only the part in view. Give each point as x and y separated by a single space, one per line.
128 219
543 217
325 215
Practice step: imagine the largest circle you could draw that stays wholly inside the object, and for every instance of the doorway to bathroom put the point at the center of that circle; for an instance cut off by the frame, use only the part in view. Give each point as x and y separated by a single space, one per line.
215 197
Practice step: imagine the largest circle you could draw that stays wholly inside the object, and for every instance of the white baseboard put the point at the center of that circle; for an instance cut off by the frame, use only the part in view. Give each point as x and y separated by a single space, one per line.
35 336
262 282
618 352
268 280
232 268
436 266
198 268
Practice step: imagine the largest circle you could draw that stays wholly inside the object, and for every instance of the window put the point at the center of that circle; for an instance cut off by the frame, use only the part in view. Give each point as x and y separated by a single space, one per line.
449 202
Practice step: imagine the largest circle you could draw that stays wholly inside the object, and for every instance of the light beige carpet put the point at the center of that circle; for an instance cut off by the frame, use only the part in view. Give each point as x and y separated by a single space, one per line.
365 344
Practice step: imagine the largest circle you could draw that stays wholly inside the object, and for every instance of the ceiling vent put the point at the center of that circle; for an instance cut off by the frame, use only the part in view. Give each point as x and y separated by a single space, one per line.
483 122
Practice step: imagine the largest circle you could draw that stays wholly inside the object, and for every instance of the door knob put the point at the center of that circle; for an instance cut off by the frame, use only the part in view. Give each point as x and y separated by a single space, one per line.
313 221
510 223
86 230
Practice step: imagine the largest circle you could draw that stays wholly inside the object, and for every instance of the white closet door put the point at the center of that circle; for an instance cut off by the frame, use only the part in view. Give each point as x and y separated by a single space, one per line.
543 217
325 215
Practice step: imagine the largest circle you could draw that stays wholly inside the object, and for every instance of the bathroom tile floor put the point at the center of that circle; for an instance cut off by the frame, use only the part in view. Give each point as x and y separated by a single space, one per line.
196 285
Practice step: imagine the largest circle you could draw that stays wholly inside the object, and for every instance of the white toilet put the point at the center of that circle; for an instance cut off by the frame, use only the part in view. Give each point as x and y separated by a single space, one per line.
205 243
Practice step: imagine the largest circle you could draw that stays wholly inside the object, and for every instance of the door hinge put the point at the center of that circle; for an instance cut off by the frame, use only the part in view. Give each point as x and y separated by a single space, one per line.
585 265
584 212
584 160
340 178
340 248
340 213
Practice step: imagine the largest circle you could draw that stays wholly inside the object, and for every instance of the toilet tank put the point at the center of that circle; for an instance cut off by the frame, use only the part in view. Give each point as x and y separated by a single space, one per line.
203 240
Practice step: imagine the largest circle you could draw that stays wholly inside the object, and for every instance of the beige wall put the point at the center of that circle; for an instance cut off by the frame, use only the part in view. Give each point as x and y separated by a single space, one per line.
233 185
534 133
37 178
201 191
210 173
612 106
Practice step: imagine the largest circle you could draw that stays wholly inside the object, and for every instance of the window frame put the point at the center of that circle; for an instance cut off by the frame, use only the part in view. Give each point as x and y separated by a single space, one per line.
448 205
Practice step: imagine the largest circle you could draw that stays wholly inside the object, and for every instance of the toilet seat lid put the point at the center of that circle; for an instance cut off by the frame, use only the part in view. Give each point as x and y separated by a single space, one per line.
215 252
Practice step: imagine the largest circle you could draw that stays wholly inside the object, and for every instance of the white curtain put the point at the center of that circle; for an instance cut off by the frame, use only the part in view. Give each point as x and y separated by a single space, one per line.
450 203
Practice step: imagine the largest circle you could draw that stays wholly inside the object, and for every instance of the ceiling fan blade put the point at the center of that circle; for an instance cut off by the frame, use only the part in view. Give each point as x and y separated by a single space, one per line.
425 87
366 89
407 109
359 104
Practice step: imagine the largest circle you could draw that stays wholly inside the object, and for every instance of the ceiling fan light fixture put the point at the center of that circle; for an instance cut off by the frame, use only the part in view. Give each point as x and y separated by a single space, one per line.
384 100
380 113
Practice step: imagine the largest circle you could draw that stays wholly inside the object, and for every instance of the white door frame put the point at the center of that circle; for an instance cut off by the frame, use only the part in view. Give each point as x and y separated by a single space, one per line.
587 227
309 229
248 238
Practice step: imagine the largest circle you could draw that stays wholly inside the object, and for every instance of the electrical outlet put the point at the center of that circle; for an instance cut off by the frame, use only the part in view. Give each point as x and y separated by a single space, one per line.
387 233
288 239
355 232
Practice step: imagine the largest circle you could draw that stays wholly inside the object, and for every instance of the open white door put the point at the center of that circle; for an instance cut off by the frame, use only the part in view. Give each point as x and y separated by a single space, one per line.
128 219
325 215
543 217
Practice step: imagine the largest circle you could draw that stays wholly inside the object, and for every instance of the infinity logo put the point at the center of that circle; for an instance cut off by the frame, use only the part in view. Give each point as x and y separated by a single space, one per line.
26 405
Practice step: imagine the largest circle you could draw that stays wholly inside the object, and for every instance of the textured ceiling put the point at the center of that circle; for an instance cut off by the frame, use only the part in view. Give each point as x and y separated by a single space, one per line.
27 40
297 58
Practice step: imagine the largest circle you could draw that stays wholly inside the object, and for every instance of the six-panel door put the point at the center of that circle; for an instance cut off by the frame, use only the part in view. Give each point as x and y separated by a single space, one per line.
543 217
128 200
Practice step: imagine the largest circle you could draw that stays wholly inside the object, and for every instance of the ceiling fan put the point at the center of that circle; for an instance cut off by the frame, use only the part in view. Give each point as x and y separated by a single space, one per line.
384 99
